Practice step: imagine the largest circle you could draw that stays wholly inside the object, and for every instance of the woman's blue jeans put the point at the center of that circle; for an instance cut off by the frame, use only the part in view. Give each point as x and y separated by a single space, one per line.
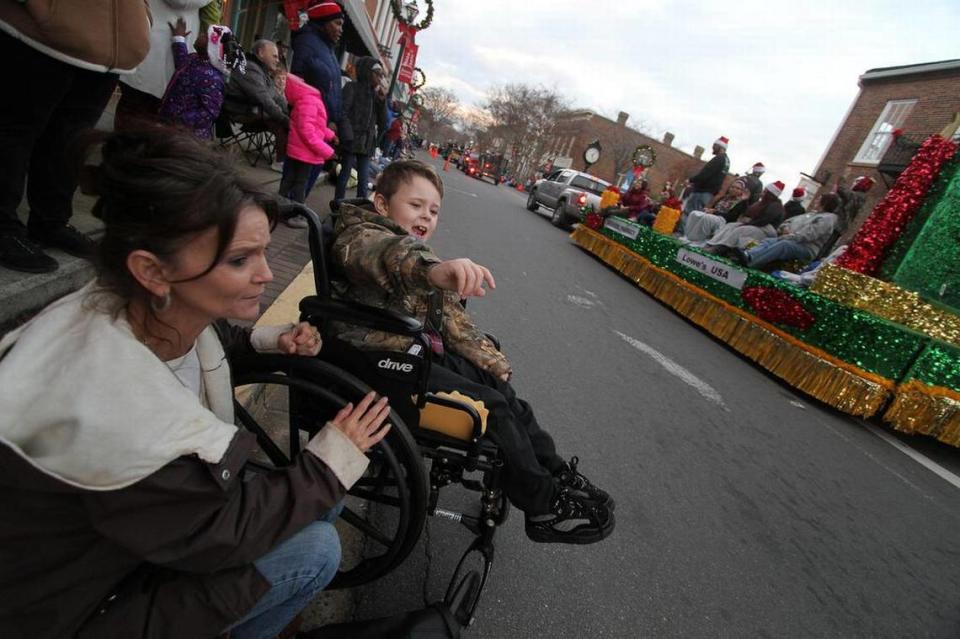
297 570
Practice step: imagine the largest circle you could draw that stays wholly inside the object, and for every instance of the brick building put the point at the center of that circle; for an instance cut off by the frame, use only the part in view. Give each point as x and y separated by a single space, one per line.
571 136
918 99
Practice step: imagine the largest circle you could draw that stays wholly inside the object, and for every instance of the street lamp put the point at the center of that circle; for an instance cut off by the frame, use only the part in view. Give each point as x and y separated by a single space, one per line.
412 10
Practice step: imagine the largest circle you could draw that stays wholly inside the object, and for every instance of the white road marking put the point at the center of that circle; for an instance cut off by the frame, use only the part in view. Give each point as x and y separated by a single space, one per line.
921 459
582 302
705 389
450 188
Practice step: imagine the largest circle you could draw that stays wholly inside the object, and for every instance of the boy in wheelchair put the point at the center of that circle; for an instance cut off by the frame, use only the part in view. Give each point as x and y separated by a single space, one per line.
382 259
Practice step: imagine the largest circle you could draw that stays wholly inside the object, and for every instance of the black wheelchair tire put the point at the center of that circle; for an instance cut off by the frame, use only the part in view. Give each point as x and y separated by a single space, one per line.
398 447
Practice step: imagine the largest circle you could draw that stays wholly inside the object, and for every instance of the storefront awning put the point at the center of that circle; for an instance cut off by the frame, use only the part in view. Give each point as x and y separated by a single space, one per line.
358 37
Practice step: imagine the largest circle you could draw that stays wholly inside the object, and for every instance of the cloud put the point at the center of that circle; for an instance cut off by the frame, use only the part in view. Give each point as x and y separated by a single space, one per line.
775 77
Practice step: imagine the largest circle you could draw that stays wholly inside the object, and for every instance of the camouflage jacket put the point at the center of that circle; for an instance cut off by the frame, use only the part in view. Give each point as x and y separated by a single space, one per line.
381 265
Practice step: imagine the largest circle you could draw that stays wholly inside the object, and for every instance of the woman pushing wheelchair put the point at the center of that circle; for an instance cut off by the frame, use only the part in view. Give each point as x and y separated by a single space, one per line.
125 511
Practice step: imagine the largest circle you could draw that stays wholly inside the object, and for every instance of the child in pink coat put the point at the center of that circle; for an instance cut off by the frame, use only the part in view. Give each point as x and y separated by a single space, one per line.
309 134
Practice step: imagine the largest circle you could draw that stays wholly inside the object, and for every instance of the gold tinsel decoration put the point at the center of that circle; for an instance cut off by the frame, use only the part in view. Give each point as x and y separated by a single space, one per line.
888 301
923 409
832 381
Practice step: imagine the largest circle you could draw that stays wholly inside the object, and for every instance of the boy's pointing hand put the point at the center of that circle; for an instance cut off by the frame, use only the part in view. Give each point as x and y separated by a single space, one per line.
463 276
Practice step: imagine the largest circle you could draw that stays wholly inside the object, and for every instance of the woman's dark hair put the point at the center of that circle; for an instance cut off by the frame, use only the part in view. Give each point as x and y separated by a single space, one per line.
157 189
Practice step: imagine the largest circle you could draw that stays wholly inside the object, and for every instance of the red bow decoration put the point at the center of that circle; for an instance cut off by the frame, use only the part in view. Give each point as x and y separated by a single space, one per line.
593 221
777 307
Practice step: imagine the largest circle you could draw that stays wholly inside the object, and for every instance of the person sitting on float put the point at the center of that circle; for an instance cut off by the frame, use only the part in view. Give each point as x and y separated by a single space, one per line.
702 225
758 222
801 237
127 511
636 204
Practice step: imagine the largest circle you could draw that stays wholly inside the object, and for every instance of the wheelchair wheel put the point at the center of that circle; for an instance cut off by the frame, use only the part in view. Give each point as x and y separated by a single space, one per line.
282 396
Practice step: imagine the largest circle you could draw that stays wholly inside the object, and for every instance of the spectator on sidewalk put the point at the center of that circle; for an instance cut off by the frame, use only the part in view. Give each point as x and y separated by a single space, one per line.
195 94
707 182
59 84
794 207
142 91
253 97
308 144
358 128
315 60
127 511
394 137
753 183
799 238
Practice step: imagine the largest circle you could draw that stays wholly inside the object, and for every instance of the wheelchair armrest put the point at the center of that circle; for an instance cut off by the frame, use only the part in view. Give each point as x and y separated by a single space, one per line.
432 398
380 319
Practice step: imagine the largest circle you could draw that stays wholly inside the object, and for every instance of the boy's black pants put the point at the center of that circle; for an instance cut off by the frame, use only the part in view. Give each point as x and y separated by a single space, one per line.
530 458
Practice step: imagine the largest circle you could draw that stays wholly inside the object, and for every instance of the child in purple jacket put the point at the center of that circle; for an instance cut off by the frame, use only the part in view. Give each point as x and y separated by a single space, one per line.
307 145
195 92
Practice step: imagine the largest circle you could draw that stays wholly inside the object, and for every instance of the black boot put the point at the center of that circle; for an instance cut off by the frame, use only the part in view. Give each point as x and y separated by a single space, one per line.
570 477
20 254
64 237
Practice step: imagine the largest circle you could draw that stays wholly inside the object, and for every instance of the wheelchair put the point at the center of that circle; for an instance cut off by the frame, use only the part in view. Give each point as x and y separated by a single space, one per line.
436 439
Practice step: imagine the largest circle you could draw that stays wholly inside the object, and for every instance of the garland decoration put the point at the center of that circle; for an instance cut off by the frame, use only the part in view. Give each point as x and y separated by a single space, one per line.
423 24
891 215
777 307
416 83
644 156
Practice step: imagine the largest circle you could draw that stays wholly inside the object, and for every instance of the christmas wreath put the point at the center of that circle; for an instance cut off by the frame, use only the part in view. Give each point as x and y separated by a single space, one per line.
423 24
644 155
416 83
416 100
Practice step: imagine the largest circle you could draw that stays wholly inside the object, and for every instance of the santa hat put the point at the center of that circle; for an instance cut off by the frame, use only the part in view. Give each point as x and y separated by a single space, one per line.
798 193
759 168
776 187
863 183
324 11
722 142
223 51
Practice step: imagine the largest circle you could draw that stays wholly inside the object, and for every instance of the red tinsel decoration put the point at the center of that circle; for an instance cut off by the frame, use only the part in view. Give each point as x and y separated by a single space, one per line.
593 221
890 216
777 307
673 202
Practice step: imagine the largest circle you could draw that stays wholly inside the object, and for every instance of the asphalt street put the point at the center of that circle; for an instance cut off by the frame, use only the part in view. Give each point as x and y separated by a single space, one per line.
744 508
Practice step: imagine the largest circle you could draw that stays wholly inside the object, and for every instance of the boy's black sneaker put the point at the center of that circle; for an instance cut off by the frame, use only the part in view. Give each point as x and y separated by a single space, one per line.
571 520
64 237
20 254
571 478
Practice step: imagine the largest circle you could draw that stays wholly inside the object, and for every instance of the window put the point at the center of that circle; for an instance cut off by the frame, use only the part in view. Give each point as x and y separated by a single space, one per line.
893 117
586 184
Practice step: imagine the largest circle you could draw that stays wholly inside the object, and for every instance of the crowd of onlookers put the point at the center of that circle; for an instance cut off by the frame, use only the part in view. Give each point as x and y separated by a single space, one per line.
315 117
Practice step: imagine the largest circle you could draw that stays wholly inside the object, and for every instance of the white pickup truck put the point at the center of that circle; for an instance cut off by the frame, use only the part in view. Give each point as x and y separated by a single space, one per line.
566 192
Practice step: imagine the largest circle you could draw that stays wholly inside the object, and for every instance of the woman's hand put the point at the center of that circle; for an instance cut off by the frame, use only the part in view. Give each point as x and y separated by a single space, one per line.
302 339
362 424
461 275
180 29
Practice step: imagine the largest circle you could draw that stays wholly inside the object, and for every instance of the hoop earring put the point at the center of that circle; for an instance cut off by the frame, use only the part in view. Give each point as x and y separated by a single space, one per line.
162 305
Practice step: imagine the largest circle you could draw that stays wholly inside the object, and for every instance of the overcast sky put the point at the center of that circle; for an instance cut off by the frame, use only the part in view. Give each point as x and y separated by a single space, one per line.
776 78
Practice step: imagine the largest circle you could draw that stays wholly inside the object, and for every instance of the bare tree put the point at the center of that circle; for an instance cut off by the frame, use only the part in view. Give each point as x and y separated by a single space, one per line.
440 104
522 116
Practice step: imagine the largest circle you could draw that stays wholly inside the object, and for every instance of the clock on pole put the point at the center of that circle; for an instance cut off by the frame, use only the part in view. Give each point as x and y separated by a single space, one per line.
591 154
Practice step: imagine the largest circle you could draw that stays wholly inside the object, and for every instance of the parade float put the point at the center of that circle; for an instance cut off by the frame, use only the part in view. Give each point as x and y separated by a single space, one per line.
878 332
